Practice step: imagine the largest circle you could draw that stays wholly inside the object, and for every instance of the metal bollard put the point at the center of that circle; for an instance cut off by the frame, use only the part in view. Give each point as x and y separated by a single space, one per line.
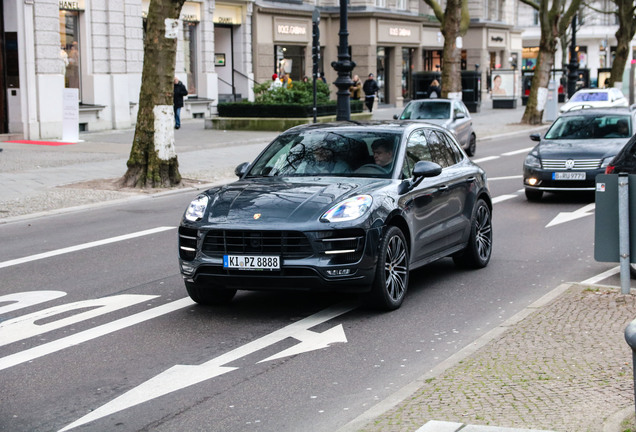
630 337
623 231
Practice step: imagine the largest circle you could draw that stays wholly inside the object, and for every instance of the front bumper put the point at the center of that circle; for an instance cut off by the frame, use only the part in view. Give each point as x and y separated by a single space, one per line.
543 180
334 260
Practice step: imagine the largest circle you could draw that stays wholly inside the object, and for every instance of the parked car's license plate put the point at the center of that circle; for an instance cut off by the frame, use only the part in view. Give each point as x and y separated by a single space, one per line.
246 262
569 175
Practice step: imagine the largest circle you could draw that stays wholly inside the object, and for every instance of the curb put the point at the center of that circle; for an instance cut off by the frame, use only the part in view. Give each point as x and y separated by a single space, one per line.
406 391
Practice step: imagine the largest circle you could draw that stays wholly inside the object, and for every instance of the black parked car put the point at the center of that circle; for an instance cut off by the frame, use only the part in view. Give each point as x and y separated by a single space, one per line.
341 207
578 146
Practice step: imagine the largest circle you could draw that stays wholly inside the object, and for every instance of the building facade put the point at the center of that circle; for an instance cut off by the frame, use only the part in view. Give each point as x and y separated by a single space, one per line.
226 47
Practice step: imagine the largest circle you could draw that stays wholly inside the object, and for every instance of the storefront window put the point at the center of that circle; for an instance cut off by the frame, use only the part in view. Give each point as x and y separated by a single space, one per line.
290 59
432 60
190 55
381 76
70 49
407 72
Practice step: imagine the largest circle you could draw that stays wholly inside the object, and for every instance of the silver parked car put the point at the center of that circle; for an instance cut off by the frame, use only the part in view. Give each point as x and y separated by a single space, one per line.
448 113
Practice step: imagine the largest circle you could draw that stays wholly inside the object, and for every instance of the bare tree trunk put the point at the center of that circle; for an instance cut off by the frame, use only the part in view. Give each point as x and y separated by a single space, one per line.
153 159
624 35
539 87
451 74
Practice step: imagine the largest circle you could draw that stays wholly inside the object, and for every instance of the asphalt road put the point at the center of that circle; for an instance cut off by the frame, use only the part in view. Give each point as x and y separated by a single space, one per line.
107 332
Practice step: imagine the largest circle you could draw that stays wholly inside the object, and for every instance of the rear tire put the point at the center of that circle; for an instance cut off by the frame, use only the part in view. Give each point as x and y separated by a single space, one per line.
479 248
533 194
209 295
392 271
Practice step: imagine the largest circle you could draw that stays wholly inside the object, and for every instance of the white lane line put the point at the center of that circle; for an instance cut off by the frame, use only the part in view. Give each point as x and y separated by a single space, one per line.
501 198
512 153
82 246
505 178
87 335
486 159
599 277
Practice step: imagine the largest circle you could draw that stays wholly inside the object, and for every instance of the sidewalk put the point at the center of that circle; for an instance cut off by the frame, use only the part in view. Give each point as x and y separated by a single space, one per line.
37 178
562 364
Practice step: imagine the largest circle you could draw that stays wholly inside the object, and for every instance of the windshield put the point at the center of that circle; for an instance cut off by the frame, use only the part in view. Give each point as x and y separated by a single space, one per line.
589 97
426 110
347 153
590 127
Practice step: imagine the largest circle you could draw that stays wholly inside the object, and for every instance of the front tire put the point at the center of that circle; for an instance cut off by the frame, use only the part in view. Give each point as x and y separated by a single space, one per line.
392 271
472 145
209 295
479 248
533 194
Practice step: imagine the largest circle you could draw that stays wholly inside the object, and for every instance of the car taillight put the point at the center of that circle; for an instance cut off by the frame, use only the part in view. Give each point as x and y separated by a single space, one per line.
609 169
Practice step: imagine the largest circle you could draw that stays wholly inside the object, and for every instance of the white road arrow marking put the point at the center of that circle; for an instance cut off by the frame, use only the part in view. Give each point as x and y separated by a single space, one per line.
570 216
311 341
181 376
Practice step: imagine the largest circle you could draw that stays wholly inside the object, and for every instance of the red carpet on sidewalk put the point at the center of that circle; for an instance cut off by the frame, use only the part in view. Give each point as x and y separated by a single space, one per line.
47 143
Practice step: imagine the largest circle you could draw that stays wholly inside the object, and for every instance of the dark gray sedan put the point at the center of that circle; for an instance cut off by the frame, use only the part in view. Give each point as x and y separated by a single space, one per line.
451 114
579 145
339 207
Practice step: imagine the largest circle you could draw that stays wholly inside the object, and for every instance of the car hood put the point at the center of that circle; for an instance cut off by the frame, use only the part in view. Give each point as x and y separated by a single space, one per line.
446 123
580 149
283 200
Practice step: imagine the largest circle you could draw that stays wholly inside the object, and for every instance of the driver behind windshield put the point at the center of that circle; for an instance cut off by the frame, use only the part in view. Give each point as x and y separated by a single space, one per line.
383 153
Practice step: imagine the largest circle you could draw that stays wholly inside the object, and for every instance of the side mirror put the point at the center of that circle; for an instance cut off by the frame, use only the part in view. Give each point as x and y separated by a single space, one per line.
460 115
395 116
535 137
426 169
241 169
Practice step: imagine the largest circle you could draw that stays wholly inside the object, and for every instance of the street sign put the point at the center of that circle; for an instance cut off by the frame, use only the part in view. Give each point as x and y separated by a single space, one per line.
606 224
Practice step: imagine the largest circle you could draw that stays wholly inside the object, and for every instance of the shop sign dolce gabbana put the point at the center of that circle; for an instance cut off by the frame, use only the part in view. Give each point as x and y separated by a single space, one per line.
398 32
290 30
75 5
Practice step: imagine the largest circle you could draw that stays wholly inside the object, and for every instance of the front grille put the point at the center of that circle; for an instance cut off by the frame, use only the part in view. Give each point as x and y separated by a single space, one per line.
187 243
286 244
579 164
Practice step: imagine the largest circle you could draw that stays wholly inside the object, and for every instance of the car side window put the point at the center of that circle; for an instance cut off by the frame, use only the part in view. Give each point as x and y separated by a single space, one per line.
416 150
453 148
440 152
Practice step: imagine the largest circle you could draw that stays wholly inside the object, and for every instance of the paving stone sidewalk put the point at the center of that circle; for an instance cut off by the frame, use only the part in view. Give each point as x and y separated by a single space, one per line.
565 367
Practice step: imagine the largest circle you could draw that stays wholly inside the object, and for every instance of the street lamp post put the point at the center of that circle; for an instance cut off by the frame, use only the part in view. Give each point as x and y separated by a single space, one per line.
573 66
343 66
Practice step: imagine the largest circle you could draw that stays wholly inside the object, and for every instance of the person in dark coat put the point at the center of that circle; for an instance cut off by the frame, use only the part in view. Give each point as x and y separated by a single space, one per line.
179 92
370 88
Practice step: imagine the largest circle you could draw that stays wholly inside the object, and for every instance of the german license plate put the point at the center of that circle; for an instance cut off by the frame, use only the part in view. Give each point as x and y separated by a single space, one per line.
568 175
247 262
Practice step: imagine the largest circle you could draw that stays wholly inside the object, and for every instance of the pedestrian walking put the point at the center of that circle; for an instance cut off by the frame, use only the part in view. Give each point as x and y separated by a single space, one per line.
434 90
370 88
179 92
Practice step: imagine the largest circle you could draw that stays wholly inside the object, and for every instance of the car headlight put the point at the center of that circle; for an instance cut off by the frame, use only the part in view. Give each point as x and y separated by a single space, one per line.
532 161
349 209
606 161
197 208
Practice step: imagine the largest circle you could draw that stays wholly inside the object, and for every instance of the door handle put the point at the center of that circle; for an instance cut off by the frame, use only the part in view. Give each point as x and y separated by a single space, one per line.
470 180
442 188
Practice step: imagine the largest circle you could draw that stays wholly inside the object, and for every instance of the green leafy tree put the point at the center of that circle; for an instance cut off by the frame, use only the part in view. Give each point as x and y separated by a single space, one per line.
554 20
454 22
153 159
